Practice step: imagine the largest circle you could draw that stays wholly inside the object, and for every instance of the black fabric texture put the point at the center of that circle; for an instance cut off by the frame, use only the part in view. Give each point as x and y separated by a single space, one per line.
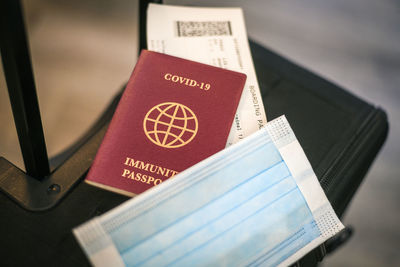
339 133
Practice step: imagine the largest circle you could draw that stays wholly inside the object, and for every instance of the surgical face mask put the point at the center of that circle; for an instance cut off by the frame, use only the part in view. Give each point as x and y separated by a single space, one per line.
257 202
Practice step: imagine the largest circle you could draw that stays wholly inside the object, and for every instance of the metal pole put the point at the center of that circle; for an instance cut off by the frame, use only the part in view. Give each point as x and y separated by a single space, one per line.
21 88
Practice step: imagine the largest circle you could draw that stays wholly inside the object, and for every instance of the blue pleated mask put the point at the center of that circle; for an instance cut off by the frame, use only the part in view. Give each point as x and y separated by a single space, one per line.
257 202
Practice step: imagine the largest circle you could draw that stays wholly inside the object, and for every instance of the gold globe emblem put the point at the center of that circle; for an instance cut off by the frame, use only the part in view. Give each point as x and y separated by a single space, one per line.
170 125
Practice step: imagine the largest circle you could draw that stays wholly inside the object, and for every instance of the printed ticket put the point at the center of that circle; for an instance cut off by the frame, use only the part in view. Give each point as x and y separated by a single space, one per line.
214 36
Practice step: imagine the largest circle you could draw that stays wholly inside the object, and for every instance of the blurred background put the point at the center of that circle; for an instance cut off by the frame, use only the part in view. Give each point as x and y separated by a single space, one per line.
84 51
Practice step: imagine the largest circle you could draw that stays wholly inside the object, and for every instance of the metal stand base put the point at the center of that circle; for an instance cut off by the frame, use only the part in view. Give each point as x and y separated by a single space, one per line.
40 195
35 195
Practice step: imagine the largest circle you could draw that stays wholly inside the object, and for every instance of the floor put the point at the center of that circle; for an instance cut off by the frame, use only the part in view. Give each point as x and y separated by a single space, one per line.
83 51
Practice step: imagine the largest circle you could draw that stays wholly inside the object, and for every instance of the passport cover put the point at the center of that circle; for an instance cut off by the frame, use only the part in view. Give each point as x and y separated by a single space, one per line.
173 114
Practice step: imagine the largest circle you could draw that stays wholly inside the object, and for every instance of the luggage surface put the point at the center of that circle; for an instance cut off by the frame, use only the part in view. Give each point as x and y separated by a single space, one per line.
339 133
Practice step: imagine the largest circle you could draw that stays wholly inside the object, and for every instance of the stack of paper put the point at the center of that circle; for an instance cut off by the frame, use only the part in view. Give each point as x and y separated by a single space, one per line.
214 36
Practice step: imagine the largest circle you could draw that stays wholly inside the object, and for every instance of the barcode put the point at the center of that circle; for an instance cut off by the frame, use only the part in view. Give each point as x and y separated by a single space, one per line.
203 28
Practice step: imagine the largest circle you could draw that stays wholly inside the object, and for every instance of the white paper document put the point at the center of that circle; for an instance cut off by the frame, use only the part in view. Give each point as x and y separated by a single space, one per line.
256 203
214 36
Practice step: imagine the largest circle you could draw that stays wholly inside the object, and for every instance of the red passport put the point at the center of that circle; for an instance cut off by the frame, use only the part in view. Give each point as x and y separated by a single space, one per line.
172 114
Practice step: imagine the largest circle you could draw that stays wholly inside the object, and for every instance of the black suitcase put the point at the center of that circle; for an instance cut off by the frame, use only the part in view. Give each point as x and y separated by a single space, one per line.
339 133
